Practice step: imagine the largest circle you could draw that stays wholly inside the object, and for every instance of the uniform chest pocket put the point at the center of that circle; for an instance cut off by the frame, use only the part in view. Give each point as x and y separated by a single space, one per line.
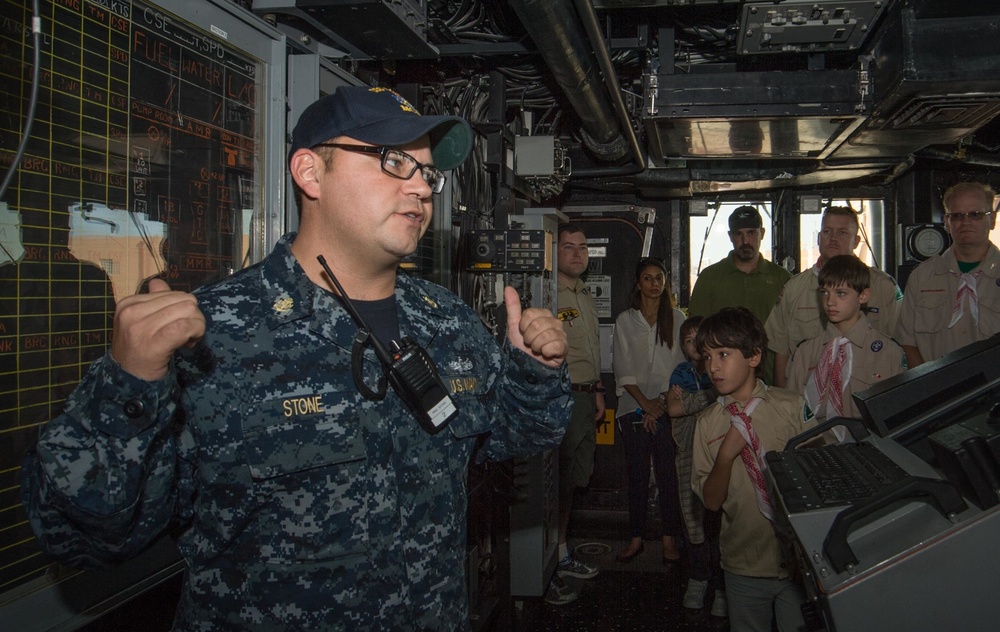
932 313
861 383
307 460
806 313
989 312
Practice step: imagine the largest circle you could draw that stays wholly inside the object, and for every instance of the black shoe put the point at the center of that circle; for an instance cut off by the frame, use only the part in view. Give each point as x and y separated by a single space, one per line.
625 559
558 593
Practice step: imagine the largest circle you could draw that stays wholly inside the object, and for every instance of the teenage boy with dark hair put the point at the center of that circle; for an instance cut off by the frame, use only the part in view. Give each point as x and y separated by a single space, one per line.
850 355
731 438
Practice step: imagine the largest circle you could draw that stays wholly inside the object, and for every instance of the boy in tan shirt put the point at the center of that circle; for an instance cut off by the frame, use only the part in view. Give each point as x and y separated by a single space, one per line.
731 438
850 355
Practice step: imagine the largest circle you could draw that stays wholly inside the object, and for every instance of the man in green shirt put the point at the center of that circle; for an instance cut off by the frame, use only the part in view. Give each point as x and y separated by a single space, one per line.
742 279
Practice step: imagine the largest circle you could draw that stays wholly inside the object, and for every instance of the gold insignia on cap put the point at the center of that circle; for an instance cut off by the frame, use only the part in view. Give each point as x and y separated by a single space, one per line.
284 305
403 103
430 301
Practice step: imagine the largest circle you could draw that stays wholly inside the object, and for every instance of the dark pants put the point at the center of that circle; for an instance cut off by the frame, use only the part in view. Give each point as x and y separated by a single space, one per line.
640 446
704 558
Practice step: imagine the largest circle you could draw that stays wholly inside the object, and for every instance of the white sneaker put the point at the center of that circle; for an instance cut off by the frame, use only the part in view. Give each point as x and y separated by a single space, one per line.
720 607
694 596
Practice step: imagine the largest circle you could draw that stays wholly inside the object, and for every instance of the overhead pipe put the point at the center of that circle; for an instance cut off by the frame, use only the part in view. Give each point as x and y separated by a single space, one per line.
965 158
555 28
588 16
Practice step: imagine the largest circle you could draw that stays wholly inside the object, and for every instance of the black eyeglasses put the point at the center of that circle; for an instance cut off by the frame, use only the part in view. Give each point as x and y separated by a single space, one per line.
397 164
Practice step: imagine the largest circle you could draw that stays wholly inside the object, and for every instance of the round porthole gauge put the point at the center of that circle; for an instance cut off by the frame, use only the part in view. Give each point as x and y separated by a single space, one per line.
926 241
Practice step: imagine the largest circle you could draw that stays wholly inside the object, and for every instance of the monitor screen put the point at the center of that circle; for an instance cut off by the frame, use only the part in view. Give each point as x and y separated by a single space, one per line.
909 405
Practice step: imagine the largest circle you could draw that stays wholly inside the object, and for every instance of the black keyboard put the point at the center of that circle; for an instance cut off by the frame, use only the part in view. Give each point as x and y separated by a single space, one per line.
832 475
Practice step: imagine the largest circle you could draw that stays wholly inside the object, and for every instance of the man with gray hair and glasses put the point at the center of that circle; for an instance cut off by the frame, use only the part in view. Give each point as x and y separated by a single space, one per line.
953 299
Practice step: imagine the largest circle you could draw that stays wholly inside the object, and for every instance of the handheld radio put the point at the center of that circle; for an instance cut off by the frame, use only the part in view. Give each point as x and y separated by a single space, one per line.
408 367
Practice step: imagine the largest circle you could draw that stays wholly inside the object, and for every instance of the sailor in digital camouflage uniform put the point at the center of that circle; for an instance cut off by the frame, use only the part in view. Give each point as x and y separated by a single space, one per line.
297 503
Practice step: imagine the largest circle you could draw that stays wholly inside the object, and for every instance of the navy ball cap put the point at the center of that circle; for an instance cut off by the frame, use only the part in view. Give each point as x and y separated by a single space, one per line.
380 116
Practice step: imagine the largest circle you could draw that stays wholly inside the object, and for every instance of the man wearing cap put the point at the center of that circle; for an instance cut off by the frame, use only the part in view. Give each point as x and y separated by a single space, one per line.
742 279
251 420
797 317
953 299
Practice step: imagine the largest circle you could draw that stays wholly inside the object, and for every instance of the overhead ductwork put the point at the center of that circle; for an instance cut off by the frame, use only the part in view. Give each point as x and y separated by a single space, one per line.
558 35
935 77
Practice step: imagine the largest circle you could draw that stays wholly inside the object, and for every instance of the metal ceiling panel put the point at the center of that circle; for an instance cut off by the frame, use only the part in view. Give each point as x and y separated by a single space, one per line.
806 26
803 114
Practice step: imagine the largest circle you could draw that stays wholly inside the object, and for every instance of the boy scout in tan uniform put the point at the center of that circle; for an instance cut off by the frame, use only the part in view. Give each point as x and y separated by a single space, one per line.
798 316
953 299
851 354
876 357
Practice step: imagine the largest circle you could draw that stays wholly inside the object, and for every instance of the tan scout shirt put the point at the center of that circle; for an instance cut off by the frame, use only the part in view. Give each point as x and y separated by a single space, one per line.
798 315
875 357
930 296
579 318
748 543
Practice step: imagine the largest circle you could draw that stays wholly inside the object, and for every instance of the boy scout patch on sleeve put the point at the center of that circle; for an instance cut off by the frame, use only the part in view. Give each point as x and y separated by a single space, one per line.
807 413
877 346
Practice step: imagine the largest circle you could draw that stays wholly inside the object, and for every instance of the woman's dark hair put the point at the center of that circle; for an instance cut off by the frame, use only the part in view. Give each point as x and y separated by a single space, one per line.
665 310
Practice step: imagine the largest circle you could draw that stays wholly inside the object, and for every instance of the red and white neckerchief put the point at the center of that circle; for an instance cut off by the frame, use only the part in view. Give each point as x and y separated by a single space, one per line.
753 453
824 392
966 288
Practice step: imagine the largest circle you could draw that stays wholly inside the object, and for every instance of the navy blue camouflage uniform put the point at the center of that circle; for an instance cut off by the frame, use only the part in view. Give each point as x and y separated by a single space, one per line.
297 503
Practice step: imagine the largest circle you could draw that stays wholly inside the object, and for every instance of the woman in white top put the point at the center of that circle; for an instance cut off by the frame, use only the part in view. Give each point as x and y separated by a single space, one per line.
646 349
